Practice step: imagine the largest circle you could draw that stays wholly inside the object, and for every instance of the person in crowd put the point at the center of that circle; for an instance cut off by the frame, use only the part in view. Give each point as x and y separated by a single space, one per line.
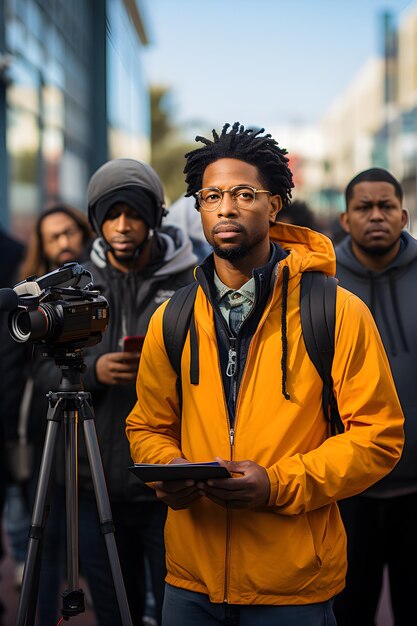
335 230
136 264
11 254
181 214
378 261
299 213
267 545
61 234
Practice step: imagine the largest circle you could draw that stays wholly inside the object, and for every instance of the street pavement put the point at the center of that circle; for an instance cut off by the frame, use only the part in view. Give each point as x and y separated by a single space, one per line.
10 597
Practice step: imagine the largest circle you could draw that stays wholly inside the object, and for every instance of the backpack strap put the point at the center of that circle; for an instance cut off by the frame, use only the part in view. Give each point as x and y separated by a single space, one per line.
318 320
178 319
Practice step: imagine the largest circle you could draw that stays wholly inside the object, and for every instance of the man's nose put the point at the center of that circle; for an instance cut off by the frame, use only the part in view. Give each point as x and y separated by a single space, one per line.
376 213
228 205
122 223
63 239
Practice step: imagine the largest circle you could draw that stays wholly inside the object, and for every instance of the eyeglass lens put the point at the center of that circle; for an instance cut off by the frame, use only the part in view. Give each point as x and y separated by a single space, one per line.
242 197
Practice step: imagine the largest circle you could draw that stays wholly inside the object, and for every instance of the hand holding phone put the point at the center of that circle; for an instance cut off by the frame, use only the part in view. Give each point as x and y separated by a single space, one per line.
133 343
117 368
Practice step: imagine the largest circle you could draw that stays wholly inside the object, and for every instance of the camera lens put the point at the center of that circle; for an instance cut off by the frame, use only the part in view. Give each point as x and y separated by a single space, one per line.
33 325
20 326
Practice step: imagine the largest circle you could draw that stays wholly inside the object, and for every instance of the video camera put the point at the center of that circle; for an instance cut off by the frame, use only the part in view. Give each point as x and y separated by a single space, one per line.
58 309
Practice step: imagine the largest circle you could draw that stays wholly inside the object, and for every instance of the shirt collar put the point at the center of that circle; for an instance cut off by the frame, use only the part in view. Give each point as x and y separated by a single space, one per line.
247 291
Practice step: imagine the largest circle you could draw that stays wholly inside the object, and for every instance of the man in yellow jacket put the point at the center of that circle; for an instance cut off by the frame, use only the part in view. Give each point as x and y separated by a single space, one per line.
267 545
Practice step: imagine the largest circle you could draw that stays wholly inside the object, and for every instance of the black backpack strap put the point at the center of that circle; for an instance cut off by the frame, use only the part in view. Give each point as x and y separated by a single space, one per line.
318 320
178 318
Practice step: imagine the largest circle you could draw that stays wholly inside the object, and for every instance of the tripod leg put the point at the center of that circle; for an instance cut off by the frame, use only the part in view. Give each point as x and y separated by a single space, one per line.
103 505
27 602
73 596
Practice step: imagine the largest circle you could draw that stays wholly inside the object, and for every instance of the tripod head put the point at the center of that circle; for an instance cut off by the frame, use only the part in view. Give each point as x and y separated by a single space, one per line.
70 361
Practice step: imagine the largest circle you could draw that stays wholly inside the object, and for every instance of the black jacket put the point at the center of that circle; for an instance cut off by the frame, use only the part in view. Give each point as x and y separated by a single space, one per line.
132 298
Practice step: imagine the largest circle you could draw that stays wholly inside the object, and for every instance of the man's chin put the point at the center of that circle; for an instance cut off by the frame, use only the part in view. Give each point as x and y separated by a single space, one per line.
65 259
231 253
378 249
124 257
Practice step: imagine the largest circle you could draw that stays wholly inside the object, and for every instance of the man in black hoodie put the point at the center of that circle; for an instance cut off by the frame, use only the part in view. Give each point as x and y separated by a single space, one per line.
378 262
136 264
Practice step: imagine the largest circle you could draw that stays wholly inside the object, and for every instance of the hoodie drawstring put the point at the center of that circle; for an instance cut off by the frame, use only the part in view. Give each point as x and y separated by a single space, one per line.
374 297
284 339
394 298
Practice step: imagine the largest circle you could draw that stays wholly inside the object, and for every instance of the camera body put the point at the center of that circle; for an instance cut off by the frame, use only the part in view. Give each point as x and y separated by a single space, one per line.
74 321
59 309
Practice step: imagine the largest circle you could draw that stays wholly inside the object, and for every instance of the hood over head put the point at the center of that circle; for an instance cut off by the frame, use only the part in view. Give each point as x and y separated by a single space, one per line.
129 181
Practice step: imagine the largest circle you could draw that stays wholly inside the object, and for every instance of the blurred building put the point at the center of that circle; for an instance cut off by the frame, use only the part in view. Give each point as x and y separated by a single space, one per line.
349 127
304 143
374 122
72 95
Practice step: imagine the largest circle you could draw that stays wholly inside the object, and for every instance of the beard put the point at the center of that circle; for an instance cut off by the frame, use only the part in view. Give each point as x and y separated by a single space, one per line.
231 254
378 249
65 256
124 256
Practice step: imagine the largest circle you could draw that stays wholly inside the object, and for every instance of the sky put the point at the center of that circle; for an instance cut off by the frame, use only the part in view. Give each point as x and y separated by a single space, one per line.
260 62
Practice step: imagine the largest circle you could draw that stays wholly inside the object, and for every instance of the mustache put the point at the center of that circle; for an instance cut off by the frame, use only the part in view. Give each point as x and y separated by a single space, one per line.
377 229
228 225
67 251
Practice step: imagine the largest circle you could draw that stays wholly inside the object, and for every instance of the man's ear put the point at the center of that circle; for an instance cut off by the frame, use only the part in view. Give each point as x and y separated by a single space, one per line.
405 218
344 222
275 203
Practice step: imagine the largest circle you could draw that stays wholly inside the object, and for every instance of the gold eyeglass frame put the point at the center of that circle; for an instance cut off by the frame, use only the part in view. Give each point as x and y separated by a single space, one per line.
231 190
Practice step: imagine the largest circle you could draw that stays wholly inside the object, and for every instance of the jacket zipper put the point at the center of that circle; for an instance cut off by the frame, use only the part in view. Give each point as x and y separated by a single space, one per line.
231 364
231 370
257 331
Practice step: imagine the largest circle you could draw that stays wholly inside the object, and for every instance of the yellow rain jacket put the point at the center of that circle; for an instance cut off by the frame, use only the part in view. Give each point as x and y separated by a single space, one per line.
292 551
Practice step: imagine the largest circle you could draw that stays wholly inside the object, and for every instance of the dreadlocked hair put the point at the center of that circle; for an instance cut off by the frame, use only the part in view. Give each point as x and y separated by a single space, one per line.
246 145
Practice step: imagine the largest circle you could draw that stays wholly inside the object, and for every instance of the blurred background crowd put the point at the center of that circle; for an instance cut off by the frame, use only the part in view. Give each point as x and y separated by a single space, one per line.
84 82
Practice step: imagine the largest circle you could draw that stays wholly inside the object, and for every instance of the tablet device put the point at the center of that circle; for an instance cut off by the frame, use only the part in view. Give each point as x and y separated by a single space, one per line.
149 472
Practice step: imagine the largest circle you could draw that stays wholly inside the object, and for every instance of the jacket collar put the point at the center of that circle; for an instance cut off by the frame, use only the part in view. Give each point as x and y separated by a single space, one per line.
264 276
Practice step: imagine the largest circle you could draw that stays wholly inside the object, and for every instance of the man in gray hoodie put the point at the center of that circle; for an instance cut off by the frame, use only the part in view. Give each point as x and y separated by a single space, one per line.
136 264
378 262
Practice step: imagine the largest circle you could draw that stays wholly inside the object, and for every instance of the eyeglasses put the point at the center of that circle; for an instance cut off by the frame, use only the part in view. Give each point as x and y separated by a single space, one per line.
242 196
69 233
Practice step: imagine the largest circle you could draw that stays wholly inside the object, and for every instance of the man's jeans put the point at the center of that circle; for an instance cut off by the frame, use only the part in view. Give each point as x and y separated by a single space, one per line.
188 608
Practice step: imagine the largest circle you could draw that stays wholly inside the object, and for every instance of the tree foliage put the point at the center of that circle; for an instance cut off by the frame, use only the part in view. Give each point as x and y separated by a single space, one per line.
167 143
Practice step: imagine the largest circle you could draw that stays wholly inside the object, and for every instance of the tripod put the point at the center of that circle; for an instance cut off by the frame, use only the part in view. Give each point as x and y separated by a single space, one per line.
69 404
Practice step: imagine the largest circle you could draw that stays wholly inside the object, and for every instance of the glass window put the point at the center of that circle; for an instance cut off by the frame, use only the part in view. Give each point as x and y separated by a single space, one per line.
23 92
127 94
23 148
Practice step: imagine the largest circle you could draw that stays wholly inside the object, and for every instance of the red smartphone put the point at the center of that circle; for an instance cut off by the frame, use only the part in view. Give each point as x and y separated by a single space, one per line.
133 343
